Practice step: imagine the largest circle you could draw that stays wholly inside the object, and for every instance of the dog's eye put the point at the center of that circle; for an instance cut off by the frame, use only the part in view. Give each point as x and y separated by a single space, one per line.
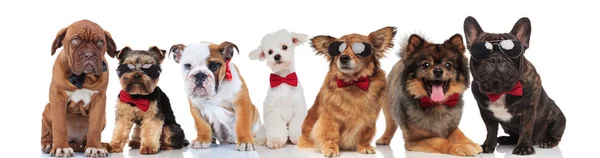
270 52
448 65
100 43
336 48
284 47
187 66
75 40
426 65
131 66
362 49
214 66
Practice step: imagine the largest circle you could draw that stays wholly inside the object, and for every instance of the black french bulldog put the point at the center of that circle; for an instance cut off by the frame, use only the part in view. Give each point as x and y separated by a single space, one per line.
509 91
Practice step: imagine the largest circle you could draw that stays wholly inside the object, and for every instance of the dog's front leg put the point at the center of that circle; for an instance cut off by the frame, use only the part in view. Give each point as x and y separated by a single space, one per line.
328 134
150 134
276 129
244 119
527 119
295 125
123 124
96 119
58 108
203 129
365 138
390 124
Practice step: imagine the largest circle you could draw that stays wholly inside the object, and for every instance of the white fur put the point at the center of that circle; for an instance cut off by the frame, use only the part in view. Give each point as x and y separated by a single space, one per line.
83 94
284 108
499 109
217 107
94 152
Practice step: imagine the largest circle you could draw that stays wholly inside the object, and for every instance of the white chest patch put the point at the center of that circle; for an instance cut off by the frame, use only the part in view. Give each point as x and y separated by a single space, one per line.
84 95
499 109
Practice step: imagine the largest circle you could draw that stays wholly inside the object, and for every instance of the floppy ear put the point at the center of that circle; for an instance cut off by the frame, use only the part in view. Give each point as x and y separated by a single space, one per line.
59 39
176 49
298 38
382 40
257 54
414 43
455 43
111 47
121 53
522 30
160 54
226 49
472 30
321 44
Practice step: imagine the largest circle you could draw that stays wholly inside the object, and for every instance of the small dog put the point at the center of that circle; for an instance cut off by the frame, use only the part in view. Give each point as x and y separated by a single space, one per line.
284 107
425 96
347 107
142 102
509 91
218 96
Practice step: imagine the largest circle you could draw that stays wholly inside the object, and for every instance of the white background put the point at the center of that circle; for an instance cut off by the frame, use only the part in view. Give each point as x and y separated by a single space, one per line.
563 49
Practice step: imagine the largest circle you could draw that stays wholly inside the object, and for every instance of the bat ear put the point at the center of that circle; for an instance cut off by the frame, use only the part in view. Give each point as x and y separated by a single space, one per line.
522 30
177 51
257 54
382 40
472 30
60 36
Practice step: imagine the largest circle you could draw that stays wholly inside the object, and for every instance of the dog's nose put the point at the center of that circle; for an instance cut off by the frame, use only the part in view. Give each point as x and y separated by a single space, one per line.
137 76
200 77
277 57
88 55
438 72
344 59
495 59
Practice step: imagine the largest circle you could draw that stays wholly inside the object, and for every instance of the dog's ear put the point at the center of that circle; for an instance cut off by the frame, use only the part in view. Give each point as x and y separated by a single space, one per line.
257 53
522 30
176 49
455 43
111 47
382 40
60 36
321 44
121 54
298 38
412 45
160 54
472 30
226 49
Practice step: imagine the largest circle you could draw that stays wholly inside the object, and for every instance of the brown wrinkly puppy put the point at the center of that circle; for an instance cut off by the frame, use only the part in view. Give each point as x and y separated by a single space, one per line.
344 116
75 116
435 72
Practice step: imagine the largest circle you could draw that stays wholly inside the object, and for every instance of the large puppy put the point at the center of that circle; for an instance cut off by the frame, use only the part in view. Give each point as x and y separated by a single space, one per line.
285 106
509 91
75 116
425 96
218 96
142 102
346 109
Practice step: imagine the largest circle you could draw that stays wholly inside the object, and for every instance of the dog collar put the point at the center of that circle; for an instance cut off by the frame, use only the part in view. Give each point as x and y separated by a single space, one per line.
517 90
290 79
362 83
78 80
228 75
451 101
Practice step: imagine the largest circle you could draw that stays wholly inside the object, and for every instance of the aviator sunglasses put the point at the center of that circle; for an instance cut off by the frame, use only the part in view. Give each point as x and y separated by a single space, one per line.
360 48
510 48
152 70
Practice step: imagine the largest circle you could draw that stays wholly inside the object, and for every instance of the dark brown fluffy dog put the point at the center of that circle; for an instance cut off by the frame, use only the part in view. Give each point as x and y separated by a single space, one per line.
347 107
425 89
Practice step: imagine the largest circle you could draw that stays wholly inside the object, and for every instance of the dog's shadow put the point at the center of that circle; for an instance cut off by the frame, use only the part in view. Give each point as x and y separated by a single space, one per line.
222 150
539 152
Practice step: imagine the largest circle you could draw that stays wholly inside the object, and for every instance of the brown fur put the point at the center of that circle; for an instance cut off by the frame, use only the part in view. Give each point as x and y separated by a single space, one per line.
433 129
62 119
345 118
124 116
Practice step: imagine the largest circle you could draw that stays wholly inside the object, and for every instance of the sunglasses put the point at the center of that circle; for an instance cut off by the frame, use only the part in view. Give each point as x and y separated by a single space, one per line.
510 48
360 48
152 70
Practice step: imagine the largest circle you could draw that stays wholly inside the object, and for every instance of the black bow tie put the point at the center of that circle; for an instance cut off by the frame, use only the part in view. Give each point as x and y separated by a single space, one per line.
78 80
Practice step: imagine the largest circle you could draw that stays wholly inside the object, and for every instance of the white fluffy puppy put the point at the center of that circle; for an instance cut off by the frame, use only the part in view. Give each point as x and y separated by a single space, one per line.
284 108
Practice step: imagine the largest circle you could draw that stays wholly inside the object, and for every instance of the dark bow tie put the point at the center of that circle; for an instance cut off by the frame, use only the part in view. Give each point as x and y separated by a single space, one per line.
78 80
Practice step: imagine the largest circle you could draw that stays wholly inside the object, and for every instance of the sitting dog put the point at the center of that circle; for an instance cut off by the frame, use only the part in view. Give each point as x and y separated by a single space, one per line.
509 91
142 102
425 96
285 106
75 117
218 96
347 106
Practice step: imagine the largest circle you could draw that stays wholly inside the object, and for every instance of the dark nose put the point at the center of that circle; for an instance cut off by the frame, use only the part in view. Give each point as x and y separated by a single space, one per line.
277 57
344 59
137 76
88 55
200 77
438 72
495 59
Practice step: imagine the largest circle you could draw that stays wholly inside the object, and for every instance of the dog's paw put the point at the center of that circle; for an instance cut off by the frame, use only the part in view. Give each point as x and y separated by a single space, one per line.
197 144
276 143
62 152
506 140
463 150
366 150
46 147
477 147
330 151
383 141
294 140
524 150
134 144
548 143
146 150
245 146
305 142
488 148
95 152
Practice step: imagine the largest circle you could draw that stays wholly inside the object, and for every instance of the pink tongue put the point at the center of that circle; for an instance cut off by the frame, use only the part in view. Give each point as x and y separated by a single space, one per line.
437 93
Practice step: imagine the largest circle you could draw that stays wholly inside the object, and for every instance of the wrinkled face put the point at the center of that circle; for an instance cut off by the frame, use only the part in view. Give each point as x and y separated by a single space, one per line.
278 49
139 70
435 70
85 42
203 66
497 59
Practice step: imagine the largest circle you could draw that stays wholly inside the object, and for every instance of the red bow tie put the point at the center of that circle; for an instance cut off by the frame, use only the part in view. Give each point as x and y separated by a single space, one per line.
228 75
290 79
451 101
362 83
517 90
143 104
